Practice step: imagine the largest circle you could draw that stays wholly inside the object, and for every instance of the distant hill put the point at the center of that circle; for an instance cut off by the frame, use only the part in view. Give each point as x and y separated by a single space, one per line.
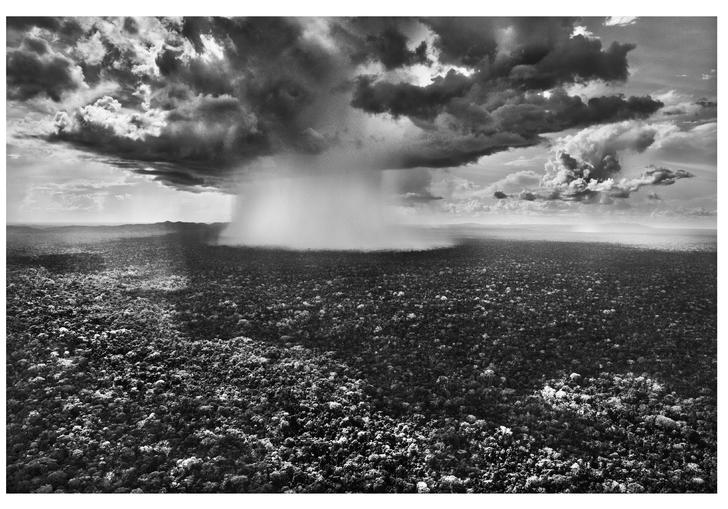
70 234
166 226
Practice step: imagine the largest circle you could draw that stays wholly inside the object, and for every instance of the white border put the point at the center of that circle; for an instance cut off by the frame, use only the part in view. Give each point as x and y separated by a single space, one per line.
365 8
402 8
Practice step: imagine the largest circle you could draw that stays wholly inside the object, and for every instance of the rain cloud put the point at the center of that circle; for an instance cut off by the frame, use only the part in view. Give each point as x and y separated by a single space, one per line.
195 100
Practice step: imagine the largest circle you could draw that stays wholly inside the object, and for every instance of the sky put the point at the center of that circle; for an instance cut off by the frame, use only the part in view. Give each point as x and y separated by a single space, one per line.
127 120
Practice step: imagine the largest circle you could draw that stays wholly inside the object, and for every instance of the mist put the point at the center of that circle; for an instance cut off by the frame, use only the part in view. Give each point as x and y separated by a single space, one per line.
327 210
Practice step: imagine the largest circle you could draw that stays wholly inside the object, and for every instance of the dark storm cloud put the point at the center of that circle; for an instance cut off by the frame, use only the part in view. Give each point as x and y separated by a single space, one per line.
34 69
441 150
63 29
378 40
217 94
28 22
535 53
200 97
512 63
204 134
578 58
390 48
464 41
405 99
474 130
173 177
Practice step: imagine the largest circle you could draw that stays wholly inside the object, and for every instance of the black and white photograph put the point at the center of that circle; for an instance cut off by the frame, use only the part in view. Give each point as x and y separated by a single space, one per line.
411 254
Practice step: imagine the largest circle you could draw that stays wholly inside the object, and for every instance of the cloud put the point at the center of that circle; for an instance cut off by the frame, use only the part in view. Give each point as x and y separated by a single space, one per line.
465 41
80 195
459 131
708 75
91 50
531 65
583 31
690 144
203 95
682 107
525 178
583 166
655 176
35 69
422 197
620 21
380 40
106 116
196 100
201 134
460 195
